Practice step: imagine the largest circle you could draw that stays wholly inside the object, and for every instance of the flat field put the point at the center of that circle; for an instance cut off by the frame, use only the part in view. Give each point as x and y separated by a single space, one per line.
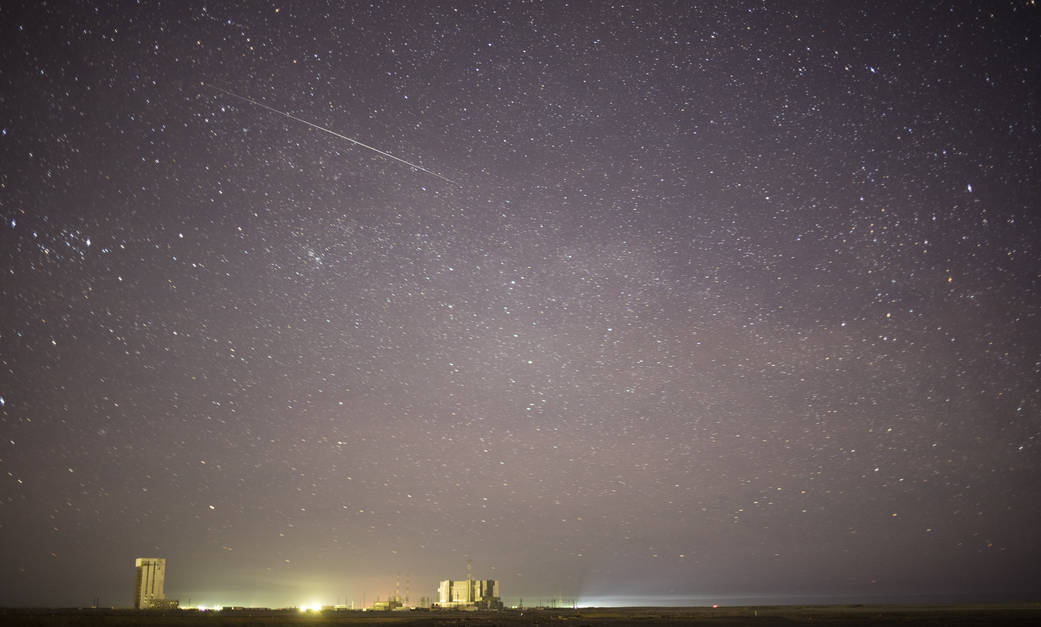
848 616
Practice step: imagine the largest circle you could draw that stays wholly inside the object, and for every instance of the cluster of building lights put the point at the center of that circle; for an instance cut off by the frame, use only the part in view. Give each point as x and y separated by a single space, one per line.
468 593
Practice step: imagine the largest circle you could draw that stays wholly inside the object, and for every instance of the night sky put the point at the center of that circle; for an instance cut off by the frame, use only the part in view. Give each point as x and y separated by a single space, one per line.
723 300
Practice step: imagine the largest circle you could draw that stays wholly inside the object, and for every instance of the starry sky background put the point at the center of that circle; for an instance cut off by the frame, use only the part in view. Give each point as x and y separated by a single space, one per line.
727 299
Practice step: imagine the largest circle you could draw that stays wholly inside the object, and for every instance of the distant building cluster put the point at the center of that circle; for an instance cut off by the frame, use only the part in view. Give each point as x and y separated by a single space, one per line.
462 594
148 589
469 593
387 606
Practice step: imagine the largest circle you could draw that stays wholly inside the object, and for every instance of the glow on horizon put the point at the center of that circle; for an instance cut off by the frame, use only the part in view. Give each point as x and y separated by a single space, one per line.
708 601
761 598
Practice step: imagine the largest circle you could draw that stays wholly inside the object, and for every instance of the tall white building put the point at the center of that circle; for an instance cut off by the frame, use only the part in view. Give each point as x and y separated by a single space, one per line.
148 591
480 593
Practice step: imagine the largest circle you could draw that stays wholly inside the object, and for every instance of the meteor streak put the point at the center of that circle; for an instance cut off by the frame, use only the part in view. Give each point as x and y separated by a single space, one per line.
331 132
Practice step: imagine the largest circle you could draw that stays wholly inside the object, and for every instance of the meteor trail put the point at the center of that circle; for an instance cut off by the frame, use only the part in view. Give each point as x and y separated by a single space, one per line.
331 132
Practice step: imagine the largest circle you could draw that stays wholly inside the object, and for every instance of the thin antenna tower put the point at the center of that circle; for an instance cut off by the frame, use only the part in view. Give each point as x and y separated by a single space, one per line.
469 581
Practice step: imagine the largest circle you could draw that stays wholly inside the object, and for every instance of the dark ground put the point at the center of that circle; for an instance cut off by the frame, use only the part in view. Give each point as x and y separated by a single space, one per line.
852 616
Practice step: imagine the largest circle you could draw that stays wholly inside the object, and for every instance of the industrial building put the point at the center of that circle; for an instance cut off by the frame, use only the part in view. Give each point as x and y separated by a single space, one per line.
148 588
469 594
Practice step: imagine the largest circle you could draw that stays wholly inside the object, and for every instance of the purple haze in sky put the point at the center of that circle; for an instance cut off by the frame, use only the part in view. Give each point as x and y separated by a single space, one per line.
727 297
